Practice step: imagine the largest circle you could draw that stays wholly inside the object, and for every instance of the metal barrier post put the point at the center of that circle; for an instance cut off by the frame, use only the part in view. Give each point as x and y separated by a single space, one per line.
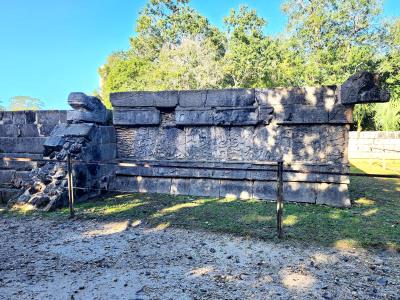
70 188
279 201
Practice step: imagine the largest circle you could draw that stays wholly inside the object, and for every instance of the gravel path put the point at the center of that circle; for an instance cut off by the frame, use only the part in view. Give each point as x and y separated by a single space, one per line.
42 259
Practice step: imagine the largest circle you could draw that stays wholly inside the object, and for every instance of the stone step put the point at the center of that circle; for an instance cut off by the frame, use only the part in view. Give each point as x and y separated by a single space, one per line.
7 194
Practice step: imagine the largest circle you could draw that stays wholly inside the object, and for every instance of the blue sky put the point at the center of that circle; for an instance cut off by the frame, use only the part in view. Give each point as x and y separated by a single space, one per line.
49 48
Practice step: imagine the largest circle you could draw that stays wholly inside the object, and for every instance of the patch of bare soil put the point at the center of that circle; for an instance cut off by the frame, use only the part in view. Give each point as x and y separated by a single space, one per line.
42 259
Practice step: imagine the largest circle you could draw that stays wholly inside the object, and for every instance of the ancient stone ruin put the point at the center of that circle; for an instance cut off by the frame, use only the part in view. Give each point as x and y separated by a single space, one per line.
87 138
218 143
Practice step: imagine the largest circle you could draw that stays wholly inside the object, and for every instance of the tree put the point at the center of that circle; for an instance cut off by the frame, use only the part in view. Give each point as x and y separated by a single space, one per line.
169 22
245 59
174 48
193 64
123 71
363 115
1 106
388 114
25 103
337 38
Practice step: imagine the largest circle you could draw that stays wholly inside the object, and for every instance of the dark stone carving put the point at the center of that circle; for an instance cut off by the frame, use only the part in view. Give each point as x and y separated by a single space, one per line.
86 109
362 87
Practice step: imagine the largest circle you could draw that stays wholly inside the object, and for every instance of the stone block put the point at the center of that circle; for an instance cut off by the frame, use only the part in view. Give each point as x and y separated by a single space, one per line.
319 144
6 117
194 116
125 183
48 117
230 98
83 116
299 192
302 114
9 130
194 98
194 172
235 189
241 143
107 134
169 143
45 130
131 99
28 130
144 99
236 116
341 114
137 143
91 152
137 170
22 144
154 185
310 96
333 194
53 143
108 151
6 176
19 117
261 174
78 130
198 145
134 117
204 187
165 99
265 190
220 143
180 186
230 174
59 129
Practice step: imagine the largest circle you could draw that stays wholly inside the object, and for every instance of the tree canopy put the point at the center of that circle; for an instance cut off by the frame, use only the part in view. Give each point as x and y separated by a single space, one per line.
325 42
25 103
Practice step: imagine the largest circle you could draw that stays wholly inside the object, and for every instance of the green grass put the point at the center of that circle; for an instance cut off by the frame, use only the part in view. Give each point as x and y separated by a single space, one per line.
372 222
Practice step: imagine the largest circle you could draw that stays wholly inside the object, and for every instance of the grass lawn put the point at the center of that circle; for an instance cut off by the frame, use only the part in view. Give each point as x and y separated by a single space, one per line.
372 222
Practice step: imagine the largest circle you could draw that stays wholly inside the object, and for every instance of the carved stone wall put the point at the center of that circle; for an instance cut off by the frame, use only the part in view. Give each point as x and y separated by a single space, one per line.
22 134
214 142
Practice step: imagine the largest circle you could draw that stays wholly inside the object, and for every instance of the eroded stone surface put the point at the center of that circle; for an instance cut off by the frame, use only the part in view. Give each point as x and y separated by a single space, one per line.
304 127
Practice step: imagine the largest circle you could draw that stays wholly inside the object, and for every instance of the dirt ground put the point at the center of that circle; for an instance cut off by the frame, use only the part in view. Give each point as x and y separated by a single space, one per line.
43 259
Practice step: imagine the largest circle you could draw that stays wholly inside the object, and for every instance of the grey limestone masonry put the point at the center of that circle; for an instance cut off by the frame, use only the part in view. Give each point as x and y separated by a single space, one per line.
22 134
218 142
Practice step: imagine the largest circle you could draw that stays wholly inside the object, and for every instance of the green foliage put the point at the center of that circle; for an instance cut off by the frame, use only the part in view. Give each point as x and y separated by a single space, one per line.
175 47
387 115
25 103
245 57
122 72
336 38
193 64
